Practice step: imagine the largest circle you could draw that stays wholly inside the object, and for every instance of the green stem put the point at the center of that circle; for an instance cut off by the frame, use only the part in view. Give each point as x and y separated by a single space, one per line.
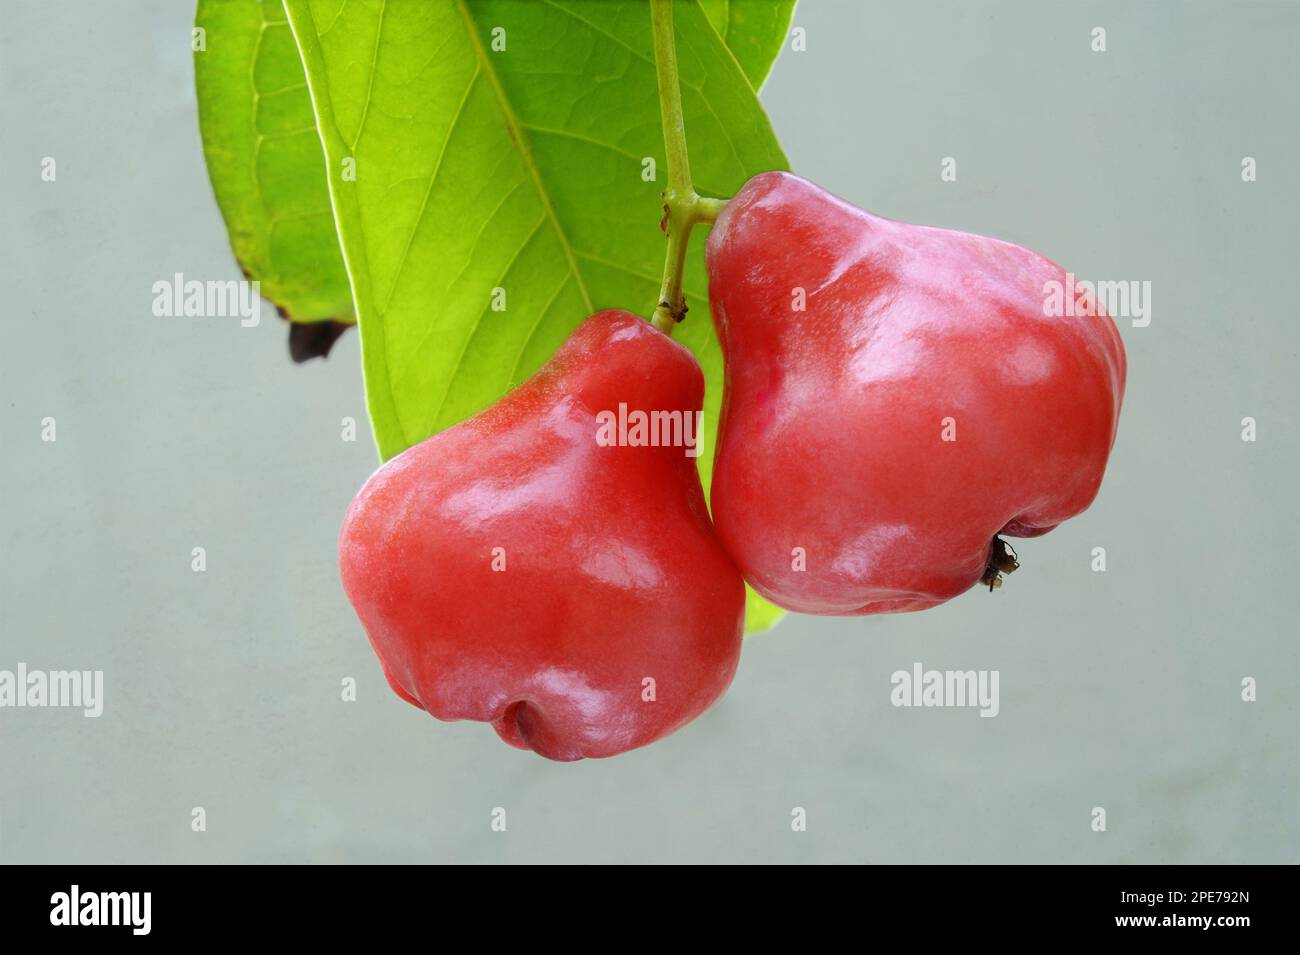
683 207
672 303
670 98
708 210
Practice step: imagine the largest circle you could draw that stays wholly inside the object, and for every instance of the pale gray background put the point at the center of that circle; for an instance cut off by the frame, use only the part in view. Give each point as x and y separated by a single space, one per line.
1118 689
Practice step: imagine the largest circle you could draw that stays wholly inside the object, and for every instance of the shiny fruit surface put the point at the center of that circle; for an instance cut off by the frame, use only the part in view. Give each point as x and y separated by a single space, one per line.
896 396
518 570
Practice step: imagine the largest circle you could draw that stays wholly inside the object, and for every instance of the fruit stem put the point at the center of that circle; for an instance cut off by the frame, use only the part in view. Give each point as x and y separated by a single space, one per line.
672 303
670 98
708 210
683 207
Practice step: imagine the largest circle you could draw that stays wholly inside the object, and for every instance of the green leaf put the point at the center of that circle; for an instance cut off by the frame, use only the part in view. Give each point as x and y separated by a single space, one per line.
256 124
478 168
264 159
754 31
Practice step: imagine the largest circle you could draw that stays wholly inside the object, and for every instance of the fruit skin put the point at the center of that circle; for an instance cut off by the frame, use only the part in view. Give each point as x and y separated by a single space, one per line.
831 434
612 571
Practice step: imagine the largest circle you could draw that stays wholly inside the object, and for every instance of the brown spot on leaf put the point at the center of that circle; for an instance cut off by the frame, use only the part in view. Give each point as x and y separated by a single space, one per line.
308 340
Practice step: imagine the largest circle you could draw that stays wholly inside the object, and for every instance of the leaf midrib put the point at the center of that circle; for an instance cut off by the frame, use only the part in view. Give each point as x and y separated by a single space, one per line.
519 138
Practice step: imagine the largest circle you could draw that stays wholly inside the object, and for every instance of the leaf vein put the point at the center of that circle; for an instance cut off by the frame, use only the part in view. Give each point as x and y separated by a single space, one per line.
525 154
541 315
566 134
464 348
374 68
601 30
424 202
